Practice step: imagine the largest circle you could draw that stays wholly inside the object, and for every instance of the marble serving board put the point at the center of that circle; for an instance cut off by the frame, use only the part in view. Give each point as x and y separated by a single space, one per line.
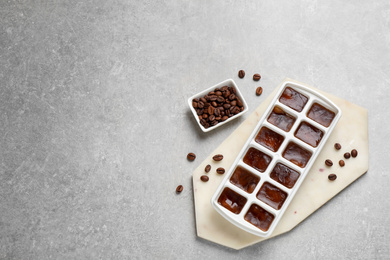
351 132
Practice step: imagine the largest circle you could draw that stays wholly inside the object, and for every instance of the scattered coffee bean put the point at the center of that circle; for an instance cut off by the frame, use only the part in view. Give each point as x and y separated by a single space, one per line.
332 177
328 162
204 178
220 170
218 157
354 153
347 155
256 77
259 90
191 156
337 146
207 168
179 188
241 74
341 163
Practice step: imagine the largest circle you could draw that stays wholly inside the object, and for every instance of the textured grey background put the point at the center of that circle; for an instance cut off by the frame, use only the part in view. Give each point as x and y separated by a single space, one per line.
95 128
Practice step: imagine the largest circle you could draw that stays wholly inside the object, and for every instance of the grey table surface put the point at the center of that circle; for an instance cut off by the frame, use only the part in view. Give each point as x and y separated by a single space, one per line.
95 127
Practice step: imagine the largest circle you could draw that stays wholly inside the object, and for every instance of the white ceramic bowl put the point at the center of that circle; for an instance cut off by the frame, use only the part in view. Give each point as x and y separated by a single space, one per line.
229 83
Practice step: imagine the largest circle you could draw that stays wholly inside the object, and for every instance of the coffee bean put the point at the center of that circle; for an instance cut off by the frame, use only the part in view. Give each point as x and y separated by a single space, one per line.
194 104
241 74
224 118
220 99
233 90
207 168
278 111
217 112
214 104
224 88
205 116
211 118
204 178
239 103
203 100
347 155
213 123
232 96
354 153
241 109
337 146
332 177
191 156
341 163
199 111
233 103
256 77
203 122
218 93
218 157
328 162
218 118
200 104
259 90
226 106
210 110
220 170
179 188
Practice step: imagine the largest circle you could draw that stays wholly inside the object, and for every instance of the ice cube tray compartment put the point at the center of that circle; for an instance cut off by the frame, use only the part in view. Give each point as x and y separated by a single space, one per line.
262 179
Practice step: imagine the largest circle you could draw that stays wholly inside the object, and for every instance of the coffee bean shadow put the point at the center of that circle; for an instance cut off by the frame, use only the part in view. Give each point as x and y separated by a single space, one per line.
195 128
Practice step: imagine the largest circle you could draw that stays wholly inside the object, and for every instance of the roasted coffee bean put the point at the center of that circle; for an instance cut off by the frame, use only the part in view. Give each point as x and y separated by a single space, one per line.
199 111
218 118
278 111
203 100
206 105
211 118
233 90
328 162
205 116
226 93
341 163
226 106
191 156
204 178
200 104
210 110
214 104
218 93
241 74
337 146
332 177
213 98
233 103
217 112
220 170
196 99
354 153
194 104
179 188
218 157
207 168
232 97
231 108
200 117
213 123
224 118
211 93
220 99
203 122
241 109
224 88
256 77
259 90
236 110
239 103
347 155
227 101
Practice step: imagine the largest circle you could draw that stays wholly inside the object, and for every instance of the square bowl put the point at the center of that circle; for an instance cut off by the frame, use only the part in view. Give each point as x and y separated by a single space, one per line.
230 84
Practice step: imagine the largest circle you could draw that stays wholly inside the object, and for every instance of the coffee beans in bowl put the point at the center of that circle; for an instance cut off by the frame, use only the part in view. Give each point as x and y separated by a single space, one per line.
217 105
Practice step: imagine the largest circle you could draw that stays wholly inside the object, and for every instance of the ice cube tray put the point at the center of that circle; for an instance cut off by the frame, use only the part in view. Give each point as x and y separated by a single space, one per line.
275 159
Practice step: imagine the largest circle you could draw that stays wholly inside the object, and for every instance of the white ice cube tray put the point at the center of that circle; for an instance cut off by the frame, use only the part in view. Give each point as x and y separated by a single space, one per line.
277 157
